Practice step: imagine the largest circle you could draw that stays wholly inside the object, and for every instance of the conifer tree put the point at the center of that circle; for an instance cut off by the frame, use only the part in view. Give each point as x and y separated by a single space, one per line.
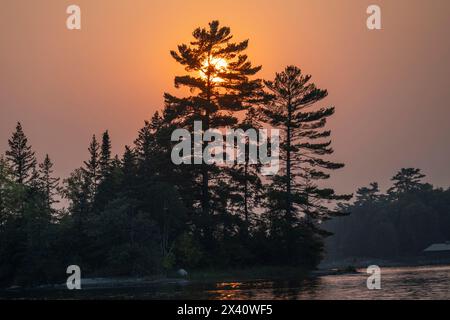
21 157
144 147
406 180
110 175
129 165
105 155
218 75
304 145
368 194
244 180
8 192
4 181
92 169
77 191
152 151
48 185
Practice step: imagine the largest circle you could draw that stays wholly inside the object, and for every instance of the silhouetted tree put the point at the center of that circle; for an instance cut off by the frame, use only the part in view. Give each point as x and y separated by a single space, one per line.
247 190
406 180
10 193
219 78
48 184
304 146
144 147
21 157
129 168
76 190
142 214
400 224
368 194
296 204
105 155
92 169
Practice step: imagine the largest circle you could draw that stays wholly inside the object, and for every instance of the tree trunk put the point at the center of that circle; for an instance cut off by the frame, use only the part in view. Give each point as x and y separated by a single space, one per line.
288 164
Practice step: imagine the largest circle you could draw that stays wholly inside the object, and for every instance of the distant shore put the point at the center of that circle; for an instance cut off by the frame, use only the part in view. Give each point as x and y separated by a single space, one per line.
360 263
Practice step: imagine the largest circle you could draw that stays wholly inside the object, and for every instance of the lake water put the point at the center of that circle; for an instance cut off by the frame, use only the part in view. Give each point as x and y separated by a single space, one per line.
396 283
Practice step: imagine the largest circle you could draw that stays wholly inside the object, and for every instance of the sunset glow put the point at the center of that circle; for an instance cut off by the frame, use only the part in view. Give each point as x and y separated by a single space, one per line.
195 151
215 66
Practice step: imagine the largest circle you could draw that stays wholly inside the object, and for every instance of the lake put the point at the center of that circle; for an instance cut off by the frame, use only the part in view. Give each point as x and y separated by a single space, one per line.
428 282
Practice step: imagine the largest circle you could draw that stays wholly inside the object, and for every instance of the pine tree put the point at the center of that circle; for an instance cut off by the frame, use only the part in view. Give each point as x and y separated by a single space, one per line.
21 157
48 184
407 180
368 194
219 78
304 147
296 204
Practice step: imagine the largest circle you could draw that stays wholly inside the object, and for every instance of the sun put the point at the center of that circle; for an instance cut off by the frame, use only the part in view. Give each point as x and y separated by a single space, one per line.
217 65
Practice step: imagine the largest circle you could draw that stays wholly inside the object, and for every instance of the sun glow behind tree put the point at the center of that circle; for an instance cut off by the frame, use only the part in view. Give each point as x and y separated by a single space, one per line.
213 66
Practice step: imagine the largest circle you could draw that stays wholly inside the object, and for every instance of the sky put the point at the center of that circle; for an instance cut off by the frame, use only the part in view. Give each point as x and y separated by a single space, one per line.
389 87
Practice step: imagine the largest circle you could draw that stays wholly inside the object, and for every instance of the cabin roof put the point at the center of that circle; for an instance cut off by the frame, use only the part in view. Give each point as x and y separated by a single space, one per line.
438 247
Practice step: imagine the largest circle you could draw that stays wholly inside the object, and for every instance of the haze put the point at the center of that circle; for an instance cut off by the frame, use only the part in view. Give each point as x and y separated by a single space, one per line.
390 87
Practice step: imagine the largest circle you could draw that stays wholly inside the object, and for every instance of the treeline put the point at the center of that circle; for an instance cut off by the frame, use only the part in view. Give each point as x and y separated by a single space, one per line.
139 213
401 223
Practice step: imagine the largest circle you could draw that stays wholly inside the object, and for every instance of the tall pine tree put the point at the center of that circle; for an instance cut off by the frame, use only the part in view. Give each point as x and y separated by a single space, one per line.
296 203
219 78
305 146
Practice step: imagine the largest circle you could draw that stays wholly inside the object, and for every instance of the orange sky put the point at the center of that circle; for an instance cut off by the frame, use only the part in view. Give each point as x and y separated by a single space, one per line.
390 87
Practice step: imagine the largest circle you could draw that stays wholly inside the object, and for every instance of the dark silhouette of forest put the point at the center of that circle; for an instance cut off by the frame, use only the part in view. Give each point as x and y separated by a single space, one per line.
139 214
400 223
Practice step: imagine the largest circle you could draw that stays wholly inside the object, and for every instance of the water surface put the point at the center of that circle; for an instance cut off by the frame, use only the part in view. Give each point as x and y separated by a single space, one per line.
431 282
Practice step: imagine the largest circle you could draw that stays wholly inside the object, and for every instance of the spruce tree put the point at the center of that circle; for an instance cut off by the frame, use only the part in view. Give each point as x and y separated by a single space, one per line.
48 184
145 146
129 166
92 169
110 175
105 161
152 151
21 157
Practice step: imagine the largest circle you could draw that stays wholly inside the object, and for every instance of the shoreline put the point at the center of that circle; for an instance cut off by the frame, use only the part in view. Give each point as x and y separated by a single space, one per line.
362 263
342 267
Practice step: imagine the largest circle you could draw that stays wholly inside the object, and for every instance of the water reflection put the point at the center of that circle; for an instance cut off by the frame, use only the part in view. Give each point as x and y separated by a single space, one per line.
396 283
262 289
